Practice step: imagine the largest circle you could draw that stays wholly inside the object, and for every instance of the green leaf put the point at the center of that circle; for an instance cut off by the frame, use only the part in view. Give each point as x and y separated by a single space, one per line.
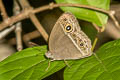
85 14
92 69
89 29
29 64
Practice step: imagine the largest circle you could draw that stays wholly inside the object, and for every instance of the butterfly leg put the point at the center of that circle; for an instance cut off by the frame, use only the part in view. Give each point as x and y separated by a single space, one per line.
48 65
66 63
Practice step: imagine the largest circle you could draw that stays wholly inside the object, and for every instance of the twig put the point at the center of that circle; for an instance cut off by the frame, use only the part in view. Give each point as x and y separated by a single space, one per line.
99 30
52 5
3 12
27 37
96 27
39 27
111 31
31 35
25 4
111 14
31 44
14 19
18 29
25 13
6 32
103 28
18 36
96 38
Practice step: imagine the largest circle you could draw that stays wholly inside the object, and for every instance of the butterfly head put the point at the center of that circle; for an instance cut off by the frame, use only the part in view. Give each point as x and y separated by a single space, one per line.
49 55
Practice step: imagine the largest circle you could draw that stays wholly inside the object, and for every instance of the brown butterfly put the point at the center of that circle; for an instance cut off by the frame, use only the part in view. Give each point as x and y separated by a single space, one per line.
67 41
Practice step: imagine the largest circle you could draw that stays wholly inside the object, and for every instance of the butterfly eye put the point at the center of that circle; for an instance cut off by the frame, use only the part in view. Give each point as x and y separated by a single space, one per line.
68 28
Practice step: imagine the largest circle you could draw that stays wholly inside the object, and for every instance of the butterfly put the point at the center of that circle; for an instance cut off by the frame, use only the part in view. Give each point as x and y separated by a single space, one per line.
67 41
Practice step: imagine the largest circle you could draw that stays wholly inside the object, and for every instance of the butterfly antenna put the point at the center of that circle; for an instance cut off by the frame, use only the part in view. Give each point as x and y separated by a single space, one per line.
94 43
